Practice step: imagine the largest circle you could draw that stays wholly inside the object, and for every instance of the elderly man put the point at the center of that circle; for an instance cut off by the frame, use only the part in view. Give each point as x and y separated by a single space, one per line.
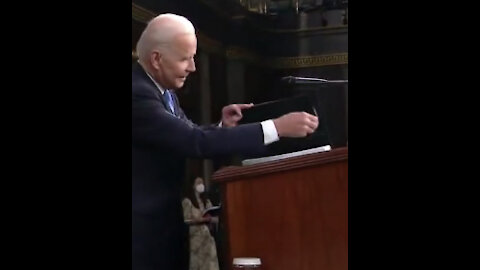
163 137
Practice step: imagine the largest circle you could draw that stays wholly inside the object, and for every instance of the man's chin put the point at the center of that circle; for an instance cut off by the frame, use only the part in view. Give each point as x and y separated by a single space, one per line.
179 85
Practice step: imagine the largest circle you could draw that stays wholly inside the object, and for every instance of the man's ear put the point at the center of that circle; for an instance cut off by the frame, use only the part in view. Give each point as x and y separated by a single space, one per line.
156 59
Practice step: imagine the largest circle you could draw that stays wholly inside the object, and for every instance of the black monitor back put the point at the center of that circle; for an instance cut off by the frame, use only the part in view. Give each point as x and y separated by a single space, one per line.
276 108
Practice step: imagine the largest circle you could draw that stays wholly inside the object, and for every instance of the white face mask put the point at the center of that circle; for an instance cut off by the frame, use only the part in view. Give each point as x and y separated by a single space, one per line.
200 188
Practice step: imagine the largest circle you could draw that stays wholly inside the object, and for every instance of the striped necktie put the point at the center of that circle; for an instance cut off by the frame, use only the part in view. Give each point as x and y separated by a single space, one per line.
169 98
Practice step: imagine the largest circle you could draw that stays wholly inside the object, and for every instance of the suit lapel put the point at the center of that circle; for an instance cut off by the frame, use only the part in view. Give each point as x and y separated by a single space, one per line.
140 72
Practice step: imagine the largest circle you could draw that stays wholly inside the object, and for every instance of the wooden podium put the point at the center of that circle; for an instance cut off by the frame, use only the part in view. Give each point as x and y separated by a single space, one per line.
290 213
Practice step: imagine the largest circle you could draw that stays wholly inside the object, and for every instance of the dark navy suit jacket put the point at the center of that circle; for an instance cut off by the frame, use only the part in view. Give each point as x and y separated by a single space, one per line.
161 142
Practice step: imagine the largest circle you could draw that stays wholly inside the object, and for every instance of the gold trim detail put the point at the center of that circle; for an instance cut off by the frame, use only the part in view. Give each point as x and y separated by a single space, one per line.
309 61
320 30
236 53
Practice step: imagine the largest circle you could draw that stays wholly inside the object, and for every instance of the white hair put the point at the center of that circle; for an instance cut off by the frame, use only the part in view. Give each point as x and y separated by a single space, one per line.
160 31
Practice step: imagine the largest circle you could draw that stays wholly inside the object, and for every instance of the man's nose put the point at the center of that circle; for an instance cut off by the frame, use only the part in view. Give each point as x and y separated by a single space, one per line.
191 66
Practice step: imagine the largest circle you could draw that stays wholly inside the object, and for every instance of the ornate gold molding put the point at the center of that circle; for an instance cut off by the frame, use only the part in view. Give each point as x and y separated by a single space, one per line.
236 53
309 61
320 30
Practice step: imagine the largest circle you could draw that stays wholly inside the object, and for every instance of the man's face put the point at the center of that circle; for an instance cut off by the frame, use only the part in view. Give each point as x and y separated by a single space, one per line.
176 61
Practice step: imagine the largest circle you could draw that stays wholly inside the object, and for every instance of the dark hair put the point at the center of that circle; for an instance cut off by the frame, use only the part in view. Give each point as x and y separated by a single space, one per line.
189 193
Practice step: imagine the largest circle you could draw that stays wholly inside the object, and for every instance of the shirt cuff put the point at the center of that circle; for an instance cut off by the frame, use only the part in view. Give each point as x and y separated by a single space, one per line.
270 133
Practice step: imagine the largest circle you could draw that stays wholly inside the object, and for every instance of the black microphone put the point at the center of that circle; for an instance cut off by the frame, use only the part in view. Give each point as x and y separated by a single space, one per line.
305 80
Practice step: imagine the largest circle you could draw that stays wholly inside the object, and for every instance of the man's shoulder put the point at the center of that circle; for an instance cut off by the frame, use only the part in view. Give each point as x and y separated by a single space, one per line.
142 85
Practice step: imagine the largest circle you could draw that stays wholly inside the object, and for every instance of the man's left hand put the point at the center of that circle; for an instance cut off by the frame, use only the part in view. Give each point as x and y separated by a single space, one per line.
232 113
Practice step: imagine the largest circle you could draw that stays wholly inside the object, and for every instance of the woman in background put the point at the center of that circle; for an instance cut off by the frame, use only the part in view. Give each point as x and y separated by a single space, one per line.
203 252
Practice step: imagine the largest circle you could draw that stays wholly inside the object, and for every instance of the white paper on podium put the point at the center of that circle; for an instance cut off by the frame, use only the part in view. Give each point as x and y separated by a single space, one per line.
287 155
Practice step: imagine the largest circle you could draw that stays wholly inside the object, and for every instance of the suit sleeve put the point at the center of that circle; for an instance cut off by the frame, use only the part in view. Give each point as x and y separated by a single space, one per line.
152 126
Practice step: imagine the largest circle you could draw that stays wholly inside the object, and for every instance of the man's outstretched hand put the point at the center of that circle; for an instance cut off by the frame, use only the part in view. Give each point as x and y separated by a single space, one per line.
232 113
296 124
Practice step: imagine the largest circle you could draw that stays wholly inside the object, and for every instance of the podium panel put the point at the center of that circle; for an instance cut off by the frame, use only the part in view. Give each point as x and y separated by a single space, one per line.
290 213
